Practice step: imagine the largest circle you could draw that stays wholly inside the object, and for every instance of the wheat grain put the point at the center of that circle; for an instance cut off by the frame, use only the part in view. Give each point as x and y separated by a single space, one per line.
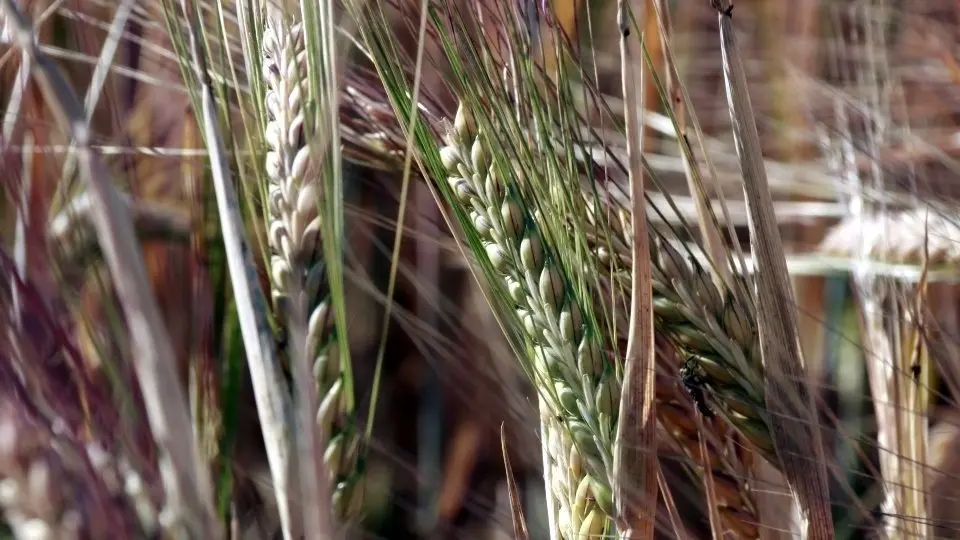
713 328
297 269
577 403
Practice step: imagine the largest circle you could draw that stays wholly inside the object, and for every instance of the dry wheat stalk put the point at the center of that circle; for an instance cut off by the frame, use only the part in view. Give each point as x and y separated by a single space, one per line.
297 269
635 457
578 389
897 393
187 484
891 332
792 420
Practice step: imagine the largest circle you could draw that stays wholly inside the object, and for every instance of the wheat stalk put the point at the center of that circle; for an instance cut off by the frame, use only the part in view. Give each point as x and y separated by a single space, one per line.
297 268
578 390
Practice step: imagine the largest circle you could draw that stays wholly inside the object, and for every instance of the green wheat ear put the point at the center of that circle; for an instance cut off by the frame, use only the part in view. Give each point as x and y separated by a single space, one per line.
578 391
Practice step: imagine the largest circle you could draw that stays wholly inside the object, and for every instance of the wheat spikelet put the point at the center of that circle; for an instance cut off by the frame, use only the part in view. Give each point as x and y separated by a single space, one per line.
677 414
578 390
297 269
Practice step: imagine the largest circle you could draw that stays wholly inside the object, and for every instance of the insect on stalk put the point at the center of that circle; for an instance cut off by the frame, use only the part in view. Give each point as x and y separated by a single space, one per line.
693 381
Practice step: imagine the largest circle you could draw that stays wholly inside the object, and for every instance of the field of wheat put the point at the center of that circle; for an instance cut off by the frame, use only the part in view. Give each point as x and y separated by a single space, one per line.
479 269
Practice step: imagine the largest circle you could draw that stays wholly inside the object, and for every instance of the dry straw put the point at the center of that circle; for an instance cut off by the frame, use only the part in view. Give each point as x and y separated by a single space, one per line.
896 237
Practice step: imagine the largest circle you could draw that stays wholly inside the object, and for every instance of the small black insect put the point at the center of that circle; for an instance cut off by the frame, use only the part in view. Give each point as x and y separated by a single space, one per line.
693 382
728 11
915 370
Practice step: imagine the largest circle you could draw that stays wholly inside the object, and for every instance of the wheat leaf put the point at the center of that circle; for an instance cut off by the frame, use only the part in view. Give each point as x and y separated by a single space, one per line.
635 456
270 389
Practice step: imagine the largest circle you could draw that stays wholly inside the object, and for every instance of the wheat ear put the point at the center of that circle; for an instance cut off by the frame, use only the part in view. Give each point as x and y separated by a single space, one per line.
714 329
578 389
717 348
297 269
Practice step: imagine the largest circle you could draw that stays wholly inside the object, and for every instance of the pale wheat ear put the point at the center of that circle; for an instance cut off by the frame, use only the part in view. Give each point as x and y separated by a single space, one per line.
297 268
56 486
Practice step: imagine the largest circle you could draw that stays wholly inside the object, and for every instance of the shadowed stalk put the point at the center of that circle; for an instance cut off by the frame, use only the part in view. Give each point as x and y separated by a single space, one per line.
270 389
